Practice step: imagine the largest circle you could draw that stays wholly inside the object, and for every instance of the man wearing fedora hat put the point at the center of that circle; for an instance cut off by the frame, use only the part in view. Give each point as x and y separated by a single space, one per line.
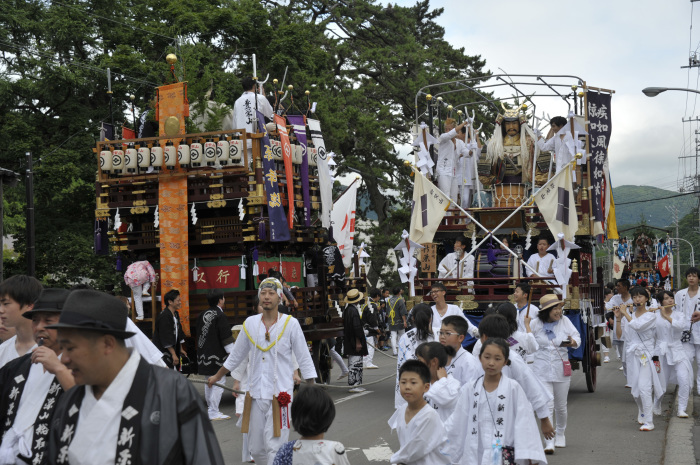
267 343
124 409
32 384
354 339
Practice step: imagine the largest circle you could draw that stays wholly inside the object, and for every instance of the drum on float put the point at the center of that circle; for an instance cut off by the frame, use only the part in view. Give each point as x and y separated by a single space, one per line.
509 195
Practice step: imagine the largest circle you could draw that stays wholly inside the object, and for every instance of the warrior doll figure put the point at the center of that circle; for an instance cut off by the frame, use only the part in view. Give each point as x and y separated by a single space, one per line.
513 143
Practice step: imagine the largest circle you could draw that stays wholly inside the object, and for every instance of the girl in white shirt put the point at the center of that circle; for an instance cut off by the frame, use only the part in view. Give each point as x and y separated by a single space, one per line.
444 389
674 362
639 344
554 334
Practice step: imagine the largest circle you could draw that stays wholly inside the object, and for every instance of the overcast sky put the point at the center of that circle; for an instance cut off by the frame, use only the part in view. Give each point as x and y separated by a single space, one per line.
625 45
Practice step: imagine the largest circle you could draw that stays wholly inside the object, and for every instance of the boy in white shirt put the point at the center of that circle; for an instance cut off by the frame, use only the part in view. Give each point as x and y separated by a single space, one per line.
420 430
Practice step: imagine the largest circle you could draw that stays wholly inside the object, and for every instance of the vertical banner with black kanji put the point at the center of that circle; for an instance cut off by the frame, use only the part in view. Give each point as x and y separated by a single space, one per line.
279 229
600 126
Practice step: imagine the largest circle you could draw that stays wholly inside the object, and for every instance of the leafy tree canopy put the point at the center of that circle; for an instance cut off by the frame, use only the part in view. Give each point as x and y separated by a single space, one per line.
362 62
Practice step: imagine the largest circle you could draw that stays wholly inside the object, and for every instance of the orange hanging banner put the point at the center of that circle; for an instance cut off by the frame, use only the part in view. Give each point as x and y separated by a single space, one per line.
288 170
172 204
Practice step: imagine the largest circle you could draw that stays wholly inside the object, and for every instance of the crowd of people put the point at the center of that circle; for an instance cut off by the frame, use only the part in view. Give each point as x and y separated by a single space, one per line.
77 375
652 334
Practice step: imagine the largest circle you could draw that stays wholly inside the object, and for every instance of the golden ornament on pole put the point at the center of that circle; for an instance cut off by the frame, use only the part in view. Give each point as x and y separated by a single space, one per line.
172 126
171 58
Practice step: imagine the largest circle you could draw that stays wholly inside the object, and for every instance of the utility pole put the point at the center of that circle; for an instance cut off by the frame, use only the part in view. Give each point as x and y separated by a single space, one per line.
31 248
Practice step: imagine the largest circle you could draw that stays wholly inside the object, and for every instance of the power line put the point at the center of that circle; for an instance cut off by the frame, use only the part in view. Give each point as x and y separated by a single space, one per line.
114 21
658 198
79 64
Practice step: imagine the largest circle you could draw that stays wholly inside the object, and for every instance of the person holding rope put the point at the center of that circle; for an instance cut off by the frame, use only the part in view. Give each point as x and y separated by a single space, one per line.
369 314
397 318
354 339
270 339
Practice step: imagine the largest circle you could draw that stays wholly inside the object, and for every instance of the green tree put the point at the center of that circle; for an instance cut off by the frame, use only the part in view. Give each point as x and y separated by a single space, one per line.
361 61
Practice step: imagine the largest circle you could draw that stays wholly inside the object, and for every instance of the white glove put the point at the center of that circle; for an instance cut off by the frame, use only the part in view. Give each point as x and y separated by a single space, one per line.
538 133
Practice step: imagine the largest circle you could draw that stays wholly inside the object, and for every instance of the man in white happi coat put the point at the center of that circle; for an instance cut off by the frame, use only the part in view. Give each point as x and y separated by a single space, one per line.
464 172
557 143
244 109
687 302
450 153
17 295
448 267
270 339
542 261
31 386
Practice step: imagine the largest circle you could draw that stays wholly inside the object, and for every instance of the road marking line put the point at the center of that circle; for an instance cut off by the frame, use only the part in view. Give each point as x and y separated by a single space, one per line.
354 396
379 453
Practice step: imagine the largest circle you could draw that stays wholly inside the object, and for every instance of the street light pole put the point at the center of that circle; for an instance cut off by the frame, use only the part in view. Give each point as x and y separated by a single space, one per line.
654 91
692 251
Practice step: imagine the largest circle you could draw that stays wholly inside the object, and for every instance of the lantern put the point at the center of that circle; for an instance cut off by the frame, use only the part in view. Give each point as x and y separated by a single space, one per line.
276 149
157 157
196 154
131 158
210 152
144 157
297 154
117 159
170 155
236 151
106 160
222 151
312 155
183 154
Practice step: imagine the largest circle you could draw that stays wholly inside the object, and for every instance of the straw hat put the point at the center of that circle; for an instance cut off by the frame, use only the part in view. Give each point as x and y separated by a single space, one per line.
353 296
549 301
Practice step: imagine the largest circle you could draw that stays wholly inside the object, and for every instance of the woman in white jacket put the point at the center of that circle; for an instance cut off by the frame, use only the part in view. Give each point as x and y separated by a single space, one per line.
554 334
674 362
640 341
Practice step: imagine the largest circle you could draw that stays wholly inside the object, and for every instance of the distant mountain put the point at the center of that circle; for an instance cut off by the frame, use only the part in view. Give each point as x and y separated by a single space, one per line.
654 211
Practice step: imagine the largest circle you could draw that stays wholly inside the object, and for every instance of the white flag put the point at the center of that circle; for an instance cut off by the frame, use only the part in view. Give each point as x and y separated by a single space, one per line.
325 179
557 204
343 222
429 206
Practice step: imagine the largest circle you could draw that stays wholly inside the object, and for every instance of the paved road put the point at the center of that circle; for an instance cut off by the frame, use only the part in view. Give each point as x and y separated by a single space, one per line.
602 425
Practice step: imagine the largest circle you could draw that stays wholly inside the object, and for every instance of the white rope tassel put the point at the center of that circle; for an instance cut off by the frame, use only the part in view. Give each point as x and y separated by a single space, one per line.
156 219
117 220
193 212
195 271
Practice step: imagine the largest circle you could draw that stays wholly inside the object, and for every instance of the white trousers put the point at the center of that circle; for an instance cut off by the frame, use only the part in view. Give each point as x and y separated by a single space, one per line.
620 346
395 336
213 397
445 184
693 351
371 342
263 446
645 401
467 196
557 406
338 359
138 299
684 382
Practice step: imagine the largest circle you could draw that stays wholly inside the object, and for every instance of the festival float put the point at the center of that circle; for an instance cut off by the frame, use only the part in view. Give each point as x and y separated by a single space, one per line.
643 254
521 193
204 215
